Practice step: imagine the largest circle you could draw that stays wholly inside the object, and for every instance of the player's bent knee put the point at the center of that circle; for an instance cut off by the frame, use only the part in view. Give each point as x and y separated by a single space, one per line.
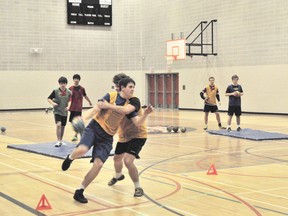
98 163
129 161
82 149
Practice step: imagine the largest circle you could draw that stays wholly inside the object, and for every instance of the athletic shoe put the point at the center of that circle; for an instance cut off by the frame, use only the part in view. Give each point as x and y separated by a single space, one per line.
78 196
220 126
63 143
239 129
58 144
66 163
114 180
205 128
75 138
228 129
138 192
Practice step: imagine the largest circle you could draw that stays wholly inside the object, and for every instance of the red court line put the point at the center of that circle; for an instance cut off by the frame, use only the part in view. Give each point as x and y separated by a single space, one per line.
230 194
178 187
60 188
236 197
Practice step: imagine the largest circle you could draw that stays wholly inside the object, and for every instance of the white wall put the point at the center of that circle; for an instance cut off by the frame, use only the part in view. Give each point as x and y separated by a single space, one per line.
30 89
261 84
250 39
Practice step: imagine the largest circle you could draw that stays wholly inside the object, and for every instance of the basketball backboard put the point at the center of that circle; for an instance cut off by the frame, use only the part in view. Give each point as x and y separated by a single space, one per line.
176 49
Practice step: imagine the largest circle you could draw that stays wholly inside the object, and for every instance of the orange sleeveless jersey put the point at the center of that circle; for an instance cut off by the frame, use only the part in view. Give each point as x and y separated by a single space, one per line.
128 130
108 119
211 93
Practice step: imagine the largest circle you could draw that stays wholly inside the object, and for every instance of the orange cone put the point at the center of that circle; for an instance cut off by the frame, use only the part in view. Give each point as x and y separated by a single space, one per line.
212 170
43 204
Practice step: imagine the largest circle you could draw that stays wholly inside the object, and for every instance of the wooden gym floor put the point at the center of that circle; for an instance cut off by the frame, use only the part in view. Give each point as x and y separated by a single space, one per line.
252 175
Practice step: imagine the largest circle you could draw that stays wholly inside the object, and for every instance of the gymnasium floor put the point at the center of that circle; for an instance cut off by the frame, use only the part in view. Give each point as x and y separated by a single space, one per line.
252 175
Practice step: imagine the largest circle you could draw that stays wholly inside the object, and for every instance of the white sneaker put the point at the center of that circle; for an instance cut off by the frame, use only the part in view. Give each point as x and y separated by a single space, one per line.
63 143
58 144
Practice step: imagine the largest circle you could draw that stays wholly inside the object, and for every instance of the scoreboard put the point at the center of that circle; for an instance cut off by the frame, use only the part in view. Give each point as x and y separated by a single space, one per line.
89 12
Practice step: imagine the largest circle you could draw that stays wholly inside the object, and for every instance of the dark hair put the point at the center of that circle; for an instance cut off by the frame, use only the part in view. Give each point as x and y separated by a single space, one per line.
118 77
235 77
125 81
62 80
76 76
211 78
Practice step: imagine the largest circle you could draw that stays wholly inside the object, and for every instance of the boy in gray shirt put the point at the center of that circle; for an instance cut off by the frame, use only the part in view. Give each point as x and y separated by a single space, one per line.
60 99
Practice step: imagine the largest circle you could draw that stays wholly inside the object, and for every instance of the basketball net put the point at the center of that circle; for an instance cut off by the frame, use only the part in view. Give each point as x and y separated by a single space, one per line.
171 59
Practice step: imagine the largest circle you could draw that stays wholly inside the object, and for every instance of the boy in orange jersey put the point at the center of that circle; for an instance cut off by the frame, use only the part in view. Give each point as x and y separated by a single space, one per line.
132 138
209 94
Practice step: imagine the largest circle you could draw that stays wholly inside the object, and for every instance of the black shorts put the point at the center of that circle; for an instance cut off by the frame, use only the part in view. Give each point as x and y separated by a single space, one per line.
59 118
209 108
74 114
133 147
234 109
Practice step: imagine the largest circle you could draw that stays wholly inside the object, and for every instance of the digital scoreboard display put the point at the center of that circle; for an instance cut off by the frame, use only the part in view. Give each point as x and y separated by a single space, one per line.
89 12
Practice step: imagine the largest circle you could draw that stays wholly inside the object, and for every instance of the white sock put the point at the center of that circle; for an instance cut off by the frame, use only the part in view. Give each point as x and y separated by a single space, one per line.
228 126
238 125
117 175
82 187
137 184
70 157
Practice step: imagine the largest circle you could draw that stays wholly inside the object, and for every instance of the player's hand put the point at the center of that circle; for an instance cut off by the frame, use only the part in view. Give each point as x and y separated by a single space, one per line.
55 104
90 104
103 104
236 94
149 109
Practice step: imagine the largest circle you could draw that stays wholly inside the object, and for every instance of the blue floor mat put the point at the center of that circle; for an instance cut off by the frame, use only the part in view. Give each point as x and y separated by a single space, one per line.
48 149
250 134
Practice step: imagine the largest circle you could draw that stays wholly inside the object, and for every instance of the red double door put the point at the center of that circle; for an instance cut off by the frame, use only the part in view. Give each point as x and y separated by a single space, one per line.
163 90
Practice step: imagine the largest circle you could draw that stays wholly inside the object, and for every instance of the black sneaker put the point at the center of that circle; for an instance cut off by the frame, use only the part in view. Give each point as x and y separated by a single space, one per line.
138 192
228 129
114 180
78 196
66 163
239 129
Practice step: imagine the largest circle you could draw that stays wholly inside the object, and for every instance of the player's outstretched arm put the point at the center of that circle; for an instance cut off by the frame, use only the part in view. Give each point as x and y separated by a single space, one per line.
91 112
139 120
103 104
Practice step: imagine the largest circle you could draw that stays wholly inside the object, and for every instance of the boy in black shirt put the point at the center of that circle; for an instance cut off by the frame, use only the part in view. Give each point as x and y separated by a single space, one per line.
235 92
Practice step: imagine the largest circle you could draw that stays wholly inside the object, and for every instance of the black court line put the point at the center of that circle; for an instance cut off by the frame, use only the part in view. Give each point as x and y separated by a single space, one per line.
208 194
22 205
219 197
154 201
276 159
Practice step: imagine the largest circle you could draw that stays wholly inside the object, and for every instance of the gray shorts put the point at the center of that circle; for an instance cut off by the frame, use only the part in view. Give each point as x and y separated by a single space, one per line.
94 136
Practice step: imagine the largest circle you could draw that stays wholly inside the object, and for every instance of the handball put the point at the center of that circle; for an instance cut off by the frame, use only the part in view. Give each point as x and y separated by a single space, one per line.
78 125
